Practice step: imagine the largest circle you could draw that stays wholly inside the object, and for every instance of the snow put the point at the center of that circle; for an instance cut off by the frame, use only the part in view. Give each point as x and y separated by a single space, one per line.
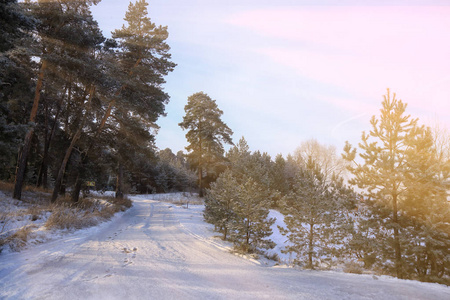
158 250
280 240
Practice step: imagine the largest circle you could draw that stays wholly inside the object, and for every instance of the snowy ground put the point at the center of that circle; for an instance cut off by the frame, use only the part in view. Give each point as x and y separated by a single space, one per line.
157 250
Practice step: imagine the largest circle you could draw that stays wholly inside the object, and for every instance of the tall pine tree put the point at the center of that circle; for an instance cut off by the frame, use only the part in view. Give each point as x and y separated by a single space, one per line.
399 175
206 134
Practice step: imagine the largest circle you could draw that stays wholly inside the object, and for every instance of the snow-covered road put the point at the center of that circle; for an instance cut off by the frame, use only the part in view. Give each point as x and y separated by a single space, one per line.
146 253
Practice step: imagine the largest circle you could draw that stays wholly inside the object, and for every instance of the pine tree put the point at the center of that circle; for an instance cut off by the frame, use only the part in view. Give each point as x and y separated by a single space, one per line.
16 68
144 60
280 182
254 165
400 177
206 134
219 203
130 98
315 215
426 208
80 64
238 202
63 28
252 226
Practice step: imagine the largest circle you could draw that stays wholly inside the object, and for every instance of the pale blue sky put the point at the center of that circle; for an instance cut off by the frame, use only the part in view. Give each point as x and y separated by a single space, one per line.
285 71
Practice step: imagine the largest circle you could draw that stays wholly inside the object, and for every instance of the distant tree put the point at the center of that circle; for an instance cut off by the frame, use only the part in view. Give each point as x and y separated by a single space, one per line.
173 173
441 141
206 134
280 181
255 165
325 157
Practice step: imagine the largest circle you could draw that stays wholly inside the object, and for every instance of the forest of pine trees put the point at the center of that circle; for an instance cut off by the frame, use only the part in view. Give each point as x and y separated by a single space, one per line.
76 107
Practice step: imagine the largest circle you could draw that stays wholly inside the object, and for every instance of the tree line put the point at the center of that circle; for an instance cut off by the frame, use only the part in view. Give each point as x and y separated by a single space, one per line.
391 216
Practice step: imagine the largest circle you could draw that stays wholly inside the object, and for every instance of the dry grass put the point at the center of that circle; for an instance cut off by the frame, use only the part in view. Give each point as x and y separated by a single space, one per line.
20 219
17 240
353 267
6 187
64 217
86 213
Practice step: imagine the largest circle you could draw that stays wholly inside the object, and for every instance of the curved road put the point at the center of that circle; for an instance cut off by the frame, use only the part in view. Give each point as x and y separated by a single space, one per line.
146 254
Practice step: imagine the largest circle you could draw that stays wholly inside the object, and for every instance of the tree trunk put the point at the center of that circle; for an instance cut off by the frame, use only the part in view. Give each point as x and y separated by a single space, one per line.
22 165
43 172
62 168
119 183
75 138
200 184
80 172
311 246
23 158
397 247
76 190
225 232
43 167
247 238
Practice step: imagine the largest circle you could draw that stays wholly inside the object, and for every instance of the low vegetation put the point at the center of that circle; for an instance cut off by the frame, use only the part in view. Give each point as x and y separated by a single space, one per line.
23 222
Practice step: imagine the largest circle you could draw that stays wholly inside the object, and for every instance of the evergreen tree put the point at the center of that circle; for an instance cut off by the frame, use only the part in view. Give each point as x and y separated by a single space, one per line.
426 209
206 134
401 176
254 165
315 215
16 45
79 64
251 226
219 203
63 29
238 203
144 60
280 182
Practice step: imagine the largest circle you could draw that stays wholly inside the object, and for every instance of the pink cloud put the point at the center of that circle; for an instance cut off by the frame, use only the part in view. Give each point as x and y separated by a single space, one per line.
363 50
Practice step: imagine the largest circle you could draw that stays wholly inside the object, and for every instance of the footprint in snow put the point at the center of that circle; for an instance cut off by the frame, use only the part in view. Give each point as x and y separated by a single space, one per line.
126 262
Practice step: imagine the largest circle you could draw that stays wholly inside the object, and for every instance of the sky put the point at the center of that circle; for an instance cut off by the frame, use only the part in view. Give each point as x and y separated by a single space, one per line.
287 71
